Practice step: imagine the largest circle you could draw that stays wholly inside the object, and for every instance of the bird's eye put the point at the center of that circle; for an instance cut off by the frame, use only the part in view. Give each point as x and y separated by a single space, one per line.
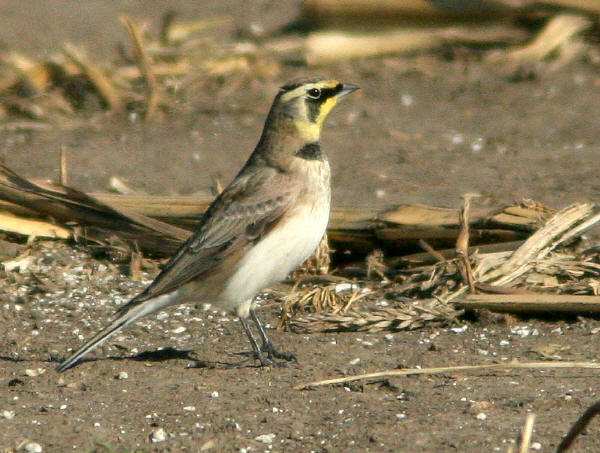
314 93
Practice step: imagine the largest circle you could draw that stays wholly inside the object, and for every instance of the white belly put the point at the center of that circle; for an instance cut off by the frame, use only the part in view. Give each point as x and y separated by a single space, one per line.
281 251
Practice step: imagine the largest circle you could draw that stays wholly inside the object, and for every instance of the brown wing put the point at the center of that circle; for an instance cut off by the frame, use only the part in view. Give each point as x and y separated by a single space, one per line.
245 211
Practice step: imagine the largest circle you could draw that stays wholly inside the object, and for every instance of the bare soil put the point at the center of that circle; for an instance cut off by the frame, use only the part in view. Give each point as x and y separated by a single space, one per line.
417 136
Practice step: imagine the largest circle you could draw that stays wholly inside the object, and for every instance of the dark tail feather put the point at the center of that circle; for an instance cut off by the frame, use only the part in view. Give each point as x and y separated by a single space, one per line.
102 336
134 313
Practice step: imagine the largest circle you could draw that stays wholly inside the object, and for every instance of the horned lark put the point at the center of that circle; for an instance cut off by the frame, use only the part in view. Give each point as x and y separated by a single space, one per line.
268 221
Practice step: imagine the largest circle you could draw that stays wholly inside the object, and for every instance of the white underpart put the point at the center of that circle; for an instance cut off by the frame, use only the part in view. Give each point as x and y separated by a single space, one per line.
280 252
273 258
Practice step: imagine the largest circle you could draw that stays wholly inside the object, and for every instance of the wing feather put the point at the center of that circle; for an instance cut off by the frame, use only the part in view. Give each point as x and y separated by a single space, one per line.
251 206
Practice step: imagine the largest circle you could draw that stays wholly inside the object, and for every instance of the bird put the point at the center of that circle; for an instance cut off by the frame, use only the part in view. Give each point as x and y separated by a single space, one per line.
261 227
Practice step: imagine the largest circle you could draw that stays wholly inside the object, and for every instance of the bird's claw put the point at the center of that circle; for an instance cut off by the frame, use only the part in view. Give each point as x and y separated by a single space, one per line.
273 353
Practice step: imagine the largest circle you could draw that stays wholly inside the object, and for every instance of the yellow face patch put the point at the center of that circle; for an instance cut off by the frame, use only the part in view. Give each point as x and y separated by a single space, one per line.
309 104
325 109
309 132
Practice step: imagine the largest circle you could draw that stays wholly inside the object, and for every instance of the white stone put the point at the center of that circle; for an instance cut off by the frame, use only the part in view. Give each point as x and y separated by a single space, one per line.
481 416
34 372
343 287
122 375
32 447
265 438
158 435
9 415
459 329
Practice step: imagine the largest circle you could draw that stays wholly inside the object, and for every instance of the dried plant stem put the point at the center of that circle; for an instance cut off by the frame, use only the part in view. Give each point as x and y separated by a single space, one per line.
32 228
555 34
144 64
532 303
451 369
64 176
462 243
539 244
526 433
103 84
431 251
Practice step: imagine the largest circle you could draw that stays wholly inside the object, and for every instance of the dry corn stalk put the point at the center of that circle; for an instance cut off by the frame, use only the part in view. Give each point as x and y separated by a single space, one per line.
558 41
577 217
329 46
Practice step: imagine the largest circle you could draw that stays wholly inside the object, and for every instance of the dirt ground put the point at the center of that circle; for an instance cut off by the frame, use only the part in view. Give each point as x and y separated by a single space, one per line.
409 136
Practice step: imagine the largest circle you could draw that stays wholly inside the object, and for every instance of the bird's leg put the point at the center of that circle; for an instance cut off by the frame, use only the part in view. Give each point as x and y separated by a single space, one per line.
264 361
267 346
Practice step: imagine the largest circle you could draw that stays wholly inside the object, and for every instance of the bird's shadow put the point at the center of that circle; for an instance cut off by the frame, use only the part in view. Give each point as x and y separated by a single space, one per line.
160 355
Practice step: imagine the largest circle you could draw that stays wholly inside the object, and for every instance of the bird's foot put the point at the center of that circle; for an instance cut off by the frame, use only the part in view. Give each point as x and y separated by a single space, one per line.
273 353
265 360
269 359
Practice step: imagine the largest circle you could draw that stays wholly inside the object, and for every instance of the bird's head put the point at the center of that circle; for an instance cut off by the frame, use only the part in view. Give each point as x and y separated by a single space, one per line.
307 102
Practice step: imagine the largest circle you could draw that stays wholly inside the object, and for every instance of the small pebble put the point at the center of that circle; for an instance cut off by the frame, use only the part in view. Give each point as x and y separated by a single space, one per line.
477 145
158 435
343 287
481 416
34 372
179 329
536 446
389 337
32 447
162 315
355 361
522 331
457 139
459 329
400 416
189 408
214 394
122 375
9 415
265 438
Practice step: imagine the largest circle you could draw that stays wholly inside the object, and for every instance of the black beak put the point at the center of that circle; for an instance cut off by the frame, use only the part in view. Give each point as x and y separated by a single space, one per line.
347 88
